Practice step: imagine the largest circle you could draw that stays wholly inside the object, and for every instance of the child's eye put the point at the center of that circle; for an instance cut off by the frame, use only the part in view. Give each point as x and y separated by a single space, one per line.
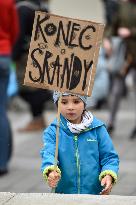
76 101
63 102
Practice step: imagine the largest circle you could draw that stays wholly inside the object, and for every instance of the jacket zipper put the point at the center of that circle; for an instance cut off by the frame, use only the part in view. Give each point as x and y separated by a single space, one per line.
77 161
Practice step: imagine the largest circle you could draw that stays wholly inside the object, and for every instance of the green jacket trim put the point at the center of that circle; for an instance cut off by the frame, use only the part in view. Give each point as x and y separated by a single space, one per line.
108 172
48 169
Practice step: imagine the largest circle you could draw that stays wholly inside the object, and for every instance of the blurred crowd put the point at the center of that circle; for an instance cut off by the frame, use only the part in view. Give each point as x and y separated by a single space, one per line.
116 61
16 22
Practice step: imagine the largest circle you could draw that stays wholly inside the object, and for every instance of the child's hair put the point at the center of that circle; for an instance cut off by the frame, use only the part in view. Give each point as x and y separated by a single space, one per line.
56 96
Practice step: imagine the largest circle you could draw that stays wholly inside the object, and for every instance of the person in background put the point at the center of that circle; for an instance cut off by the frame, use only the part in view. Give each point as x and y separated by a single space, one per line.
111 9
87 160
9 30
36 98
123 26
101 87
100 90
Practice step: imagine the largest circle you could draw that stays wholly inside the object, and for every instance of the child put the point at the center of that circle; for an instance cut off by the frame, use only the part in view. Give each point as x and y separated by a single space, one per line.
87 161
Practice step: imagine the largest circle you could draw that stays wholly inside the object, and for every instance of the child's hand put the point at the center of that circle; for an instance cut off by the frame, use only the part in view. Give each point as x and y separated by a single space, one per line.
107 183
53 179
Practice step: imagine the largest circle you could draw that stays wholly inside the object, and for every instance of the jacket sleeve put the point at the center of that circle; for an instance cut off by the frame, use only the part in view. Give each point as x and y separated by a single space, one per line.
14 21
23 16
109 159
48 151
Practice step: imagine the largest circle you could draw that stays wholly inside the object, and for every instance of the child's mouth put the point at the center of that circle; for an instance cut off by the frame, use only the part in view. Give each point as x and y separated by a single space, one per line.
71 114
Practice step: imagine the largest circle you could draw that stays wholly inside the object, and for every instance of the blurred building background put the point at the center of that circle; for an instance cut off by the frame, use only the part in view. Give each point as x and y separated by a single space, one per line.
88 9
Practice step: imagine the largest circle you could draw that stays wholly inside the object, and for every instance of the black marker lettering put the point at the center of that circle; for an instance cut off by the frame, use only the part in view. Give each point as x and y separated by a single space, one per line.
39 28
45 65
76 73
75 27
56 65
81 36
61 30
87 67
38 66
68 69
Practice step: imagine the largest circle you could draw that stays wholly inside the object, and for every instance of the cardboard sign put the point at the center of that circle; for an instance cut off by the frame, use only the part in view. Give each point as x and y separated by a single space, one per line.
63 54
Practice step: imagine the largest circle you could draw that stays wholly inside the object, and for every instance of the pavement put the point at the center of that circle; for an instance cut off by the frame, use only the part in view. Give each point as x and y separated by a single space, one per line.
63 199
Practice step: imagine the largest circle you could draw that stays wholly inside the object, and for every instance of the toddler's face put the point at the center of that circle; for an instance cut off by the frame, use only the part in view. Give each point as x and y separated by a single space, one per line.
72 108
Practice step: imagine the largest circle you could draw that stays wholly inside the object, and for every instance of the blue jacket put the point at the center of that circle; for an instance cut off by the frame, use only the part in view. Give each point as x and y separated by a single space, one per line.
83 159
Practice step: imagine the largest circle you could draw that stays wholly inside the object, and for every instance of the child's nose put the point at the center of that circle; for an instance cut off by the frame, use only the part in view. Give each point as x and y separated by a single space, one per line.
70 106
